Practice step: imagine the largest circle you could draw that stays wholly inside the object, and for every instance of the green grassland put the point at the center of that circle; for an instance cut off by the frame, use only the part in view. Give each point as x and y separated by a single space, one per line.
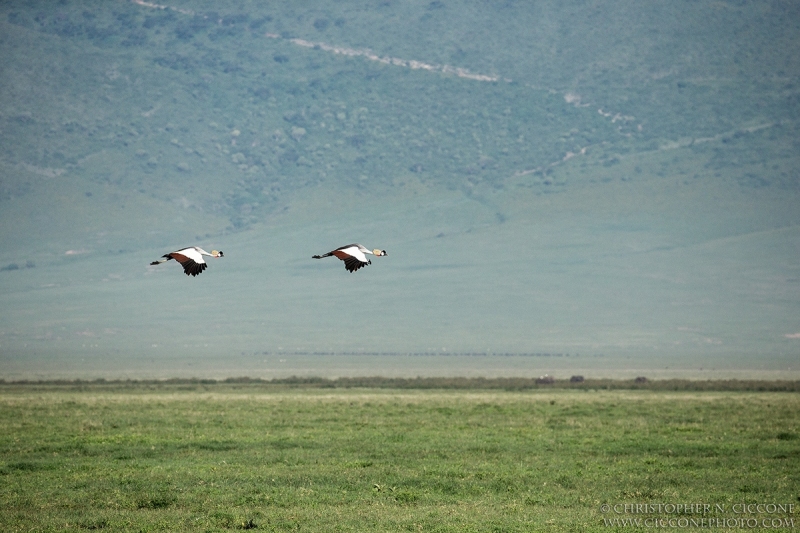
229 456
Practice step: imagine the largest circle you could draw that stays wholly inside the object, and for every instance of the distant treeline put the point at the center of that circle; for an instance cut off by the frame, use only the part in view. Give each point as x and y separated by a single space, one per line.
460 383
433 354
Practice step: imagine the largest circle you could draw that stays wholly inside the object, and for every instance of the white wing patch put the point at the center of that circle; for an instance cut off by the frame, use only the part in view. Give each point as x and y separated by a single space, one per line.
355 252
192 254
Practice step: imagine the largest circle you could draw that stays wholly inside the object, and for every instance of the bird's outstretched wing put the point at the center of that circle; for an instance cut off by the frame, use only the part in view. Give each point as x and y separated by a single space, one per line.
352 264
190 266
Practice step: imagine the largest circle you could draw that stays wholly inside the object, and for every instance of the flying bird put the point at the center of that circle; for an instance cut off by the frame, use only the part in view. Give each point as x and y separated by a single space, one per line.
191 259
353 255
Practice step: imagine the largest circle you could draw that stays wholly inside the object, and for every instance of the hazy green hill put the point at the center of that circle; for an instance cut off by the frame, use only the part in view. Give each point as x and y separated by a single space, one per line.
255 118
589 177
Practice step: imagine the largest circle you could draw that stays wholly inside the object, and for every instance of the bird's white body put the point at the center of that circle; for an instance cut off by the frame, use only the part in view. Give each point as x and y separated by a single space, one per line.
191 259
353 255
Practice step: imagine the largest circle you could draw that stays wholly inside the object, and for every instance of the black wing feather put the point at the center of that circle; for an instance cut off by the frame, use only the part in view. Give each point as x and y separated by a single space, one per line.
190 268
352 264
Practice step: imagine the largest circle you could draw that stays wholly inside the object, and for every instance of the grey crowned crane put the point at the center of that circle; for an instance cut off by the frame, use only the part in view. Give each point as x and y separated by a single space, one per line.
191 259
353 255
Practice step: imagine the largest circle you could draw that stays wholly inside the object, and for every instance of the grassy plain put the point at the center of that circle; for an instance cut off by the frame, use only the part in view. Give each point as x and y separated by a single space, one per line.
228 456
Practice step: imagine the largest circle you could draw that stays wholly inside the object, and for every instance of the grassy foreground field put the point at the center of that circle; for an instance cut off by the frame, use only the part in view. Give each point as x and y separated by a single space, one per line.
213 457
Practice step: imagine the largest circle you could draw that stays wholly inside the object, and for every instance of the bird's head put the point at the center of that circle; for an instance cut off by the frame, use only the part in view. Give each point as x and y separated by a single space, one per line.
379 252
217 253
